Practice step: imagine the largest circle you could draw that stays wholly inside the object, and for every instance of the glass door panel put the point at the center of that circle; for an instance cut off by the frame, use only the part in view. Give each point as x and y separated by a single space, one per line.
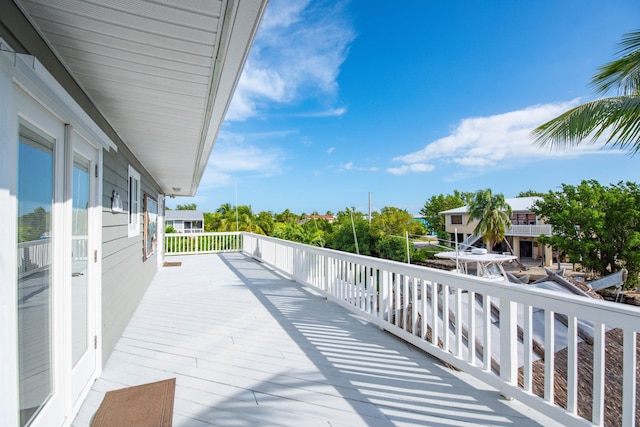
34 287
79 256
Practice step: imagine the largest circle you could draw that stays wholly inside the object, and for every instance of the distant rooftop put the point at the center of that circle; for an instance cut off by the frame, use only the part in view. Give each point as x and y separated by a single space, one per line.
518 204
329 218
170 215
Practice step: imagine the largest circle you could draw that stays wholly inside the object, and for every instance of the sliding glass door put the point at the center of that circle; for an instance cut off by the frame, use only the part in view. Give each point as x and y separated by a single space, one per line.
35 198
57 237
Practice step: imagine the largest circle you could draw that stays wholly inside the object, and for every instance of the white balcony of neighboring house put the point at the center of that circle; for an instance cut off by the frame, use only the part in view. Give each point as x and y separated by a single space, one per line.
533 230
185 221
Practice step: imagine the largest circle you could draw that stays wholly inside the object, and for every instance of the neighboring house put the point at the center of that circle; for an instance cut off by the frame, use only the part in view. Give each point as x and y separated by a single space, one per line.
521 237
184 221
106 108
328 218
420 219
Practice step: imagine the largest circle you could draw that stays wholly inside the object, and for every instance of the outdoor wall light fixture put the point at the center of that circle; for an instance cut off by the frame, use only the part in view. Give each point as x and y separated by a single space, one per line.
116 202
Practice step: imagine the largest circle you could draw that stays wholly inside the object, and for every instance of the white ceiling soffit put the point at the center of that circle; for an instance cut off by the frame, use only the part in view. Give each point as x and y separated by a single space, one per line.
161 71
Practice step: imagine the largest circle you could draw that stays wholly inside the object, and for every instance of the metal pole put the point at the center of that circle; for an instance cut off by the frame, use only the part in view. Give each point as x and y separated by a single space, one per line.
455 230
355 238
369 207
236 188
406 233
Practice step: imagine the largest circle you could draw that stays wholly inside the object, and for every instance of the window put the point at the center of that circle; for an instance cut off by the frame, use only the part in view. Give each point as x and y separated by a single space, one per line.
134 203
456 219
35 201
523 219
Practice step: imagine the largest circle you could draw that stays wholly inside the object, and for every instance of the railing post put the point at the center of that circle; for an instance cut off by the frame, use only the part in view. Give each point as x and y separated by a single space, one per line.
508 342
385 298
629 387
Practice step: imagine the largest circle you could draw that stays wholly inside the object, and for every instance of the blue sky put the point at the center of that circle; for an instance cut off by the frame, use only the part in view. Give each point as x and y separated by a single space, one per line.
409 99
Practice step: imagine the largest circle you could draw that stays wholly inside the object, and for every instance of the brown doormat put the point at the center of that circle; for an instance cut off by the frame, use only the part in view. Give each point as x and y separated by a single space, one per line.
147 405
172 264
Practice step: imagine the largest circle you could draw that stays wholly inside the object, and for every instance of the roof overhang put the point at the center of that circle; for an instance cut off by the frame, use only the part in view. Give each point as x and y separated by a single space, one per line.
161 73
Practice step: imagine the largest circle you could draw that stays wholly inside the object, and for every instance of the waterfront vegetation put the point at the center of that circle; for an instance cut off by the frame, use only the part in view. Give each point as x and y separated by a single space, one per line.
594 226
349 230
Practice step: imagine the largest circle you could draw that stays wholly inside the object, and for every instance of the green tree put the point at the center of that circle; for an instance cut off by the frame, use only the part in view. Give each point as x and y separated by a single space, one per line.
247 220
265 221
492 213
187 207
530 193
595 225
225 209
297 233
288 231
436 204
286 216
228 218
212 222
315 224
34 225
393 248
341 237
393 221
617 116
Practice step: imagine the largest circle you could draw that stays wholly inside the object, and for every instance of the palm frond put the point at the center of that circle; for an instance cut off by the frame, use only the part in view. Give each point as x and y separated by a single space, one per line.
623 73
618 116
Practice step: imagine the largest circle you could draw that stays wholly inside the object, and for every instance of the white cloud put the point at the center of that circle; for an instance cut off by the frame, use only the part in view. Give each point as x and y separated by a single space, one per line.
331 150
414 167
493 141
283 14
350 166
232 155
297 54
332 112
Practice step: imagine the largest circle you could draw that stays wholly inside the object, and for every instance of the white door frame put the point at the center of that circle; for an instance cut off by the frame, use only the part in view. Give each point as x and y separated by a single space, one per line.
23 76
33 113
62 405
83 373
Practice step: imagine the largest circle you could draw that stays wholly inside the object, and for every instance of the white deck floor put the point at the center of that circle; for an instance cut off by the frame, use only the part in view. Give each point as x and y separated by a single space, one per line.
250 348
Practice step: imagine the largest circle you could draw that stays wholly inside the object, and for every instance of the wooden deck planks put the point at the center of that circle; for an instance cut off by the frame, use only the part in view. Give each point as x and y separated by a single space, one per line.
249 347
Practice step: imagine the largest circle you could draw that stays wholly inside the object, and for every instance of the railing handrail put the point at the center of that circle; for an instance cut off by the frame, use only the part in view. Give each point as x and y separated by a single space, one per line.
208 233
530 229
522 294
200 243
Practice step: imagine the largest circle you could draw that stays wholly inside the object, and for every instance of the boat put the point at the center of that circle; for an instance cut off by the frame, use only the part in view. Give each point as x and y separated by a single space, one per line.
480 263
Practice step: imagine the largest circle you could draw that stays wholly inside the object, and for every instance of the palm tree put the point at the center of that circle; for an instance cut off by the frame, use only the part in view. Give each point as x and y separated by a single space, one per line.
492 213
225 209
617 116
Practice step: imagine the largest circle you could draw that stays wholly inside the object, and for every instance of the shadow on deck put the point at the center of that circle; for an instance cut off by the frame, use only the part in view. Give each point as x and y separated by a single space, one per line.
249 347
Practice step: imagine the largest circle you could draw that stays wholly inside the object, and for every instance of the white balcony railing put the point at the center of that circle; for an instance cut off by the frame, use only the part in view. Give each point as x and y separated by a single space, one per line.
33 257
529 230
201 243
496 340
385 292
